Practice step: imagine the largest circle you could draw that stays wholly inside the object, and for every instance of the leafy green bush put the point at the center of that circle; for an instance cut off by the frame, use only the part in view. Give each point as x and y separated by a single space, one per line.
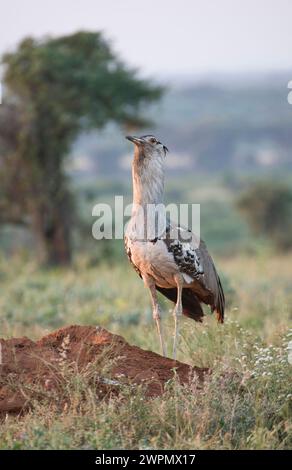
268 209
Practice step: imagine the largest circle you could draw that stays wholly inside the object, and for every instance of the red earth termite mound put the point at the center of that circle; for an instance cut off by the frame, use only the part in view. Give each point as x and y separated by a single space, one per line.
28 367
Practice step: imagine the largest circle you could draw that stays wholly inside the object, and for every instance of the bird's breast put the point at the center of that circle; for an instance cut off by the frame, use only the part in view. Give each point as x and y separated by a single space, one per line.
152 258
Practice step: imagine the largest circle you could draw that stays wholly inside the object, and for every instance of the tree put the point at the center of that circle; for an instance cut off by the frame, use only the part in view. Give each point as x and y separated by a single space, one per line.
59 87
11 202
268 209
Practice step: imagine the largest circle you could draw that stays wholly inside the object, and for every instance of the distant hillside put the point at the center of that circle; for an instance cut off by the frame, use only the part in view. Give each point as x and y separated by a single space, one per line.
232 126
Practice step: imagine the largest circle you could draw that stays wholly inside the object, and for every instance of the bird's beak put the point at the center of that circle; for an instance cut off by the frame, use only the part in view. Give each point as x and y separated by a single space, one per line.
135 140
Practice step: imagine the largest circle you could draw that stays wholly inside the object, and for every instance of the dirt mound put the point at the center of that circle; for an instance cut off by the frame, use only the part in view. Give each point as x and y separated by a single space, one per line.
27 368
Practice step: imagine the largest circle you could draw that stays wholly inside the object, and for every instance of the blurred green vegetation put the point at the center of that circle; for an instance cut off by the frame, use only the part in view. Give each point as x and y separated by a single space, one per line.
268 208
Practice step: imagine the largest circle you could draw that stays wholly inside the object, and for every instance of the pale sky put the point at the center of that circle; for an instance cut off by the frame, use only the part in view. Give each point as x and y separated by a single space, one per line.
167 37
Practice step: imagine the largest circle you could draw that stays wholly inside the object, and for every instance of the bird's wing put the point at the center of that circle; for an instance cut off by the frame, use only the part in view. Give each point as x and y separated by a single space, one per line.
197 267
212 282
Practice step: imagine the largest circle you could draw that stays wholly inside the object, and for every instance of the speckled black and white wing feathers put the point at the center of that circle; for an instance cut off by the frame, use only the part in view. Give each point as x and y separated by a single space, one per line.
197 268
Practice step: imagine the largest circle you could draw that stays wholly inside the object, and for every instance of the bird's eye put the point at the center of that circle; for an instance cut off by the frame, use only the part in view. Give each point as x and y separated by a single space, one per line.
153 141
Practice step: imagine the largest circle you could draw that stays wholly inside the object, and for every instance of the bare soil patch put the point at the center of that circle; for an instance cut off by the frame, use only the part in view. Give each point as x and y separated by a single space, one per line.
28 367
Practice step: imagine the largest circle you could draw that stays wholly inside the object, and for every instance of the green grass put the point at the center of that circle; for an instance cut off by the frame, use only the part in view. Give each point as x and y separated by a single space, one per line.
246 403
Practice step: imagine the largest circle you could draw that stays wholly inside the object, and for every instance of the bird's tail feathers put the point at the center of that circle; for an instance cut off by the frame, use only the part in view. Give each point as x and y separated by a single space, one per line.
220 305
190 303
220 316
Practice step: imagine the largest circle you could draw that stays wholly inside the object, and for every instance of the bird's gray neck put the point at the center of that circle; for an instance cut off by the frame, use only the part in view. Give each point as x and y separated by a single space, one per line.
148 189
148 179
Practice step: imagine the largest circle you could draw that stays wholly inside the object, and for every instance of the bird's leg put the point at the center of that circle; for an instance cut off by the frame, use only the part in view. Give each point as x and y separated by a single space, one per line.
156 317
177 313
156 312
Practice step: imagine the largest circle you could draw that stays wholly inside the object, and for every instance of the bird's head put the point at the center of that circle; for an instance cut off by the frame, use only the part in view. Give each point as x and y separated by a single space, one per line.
148 146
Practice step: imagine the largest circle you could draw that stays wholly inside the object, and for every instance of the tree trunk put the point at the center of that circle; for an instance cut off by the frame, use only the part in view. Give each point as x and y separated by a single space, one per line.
52 230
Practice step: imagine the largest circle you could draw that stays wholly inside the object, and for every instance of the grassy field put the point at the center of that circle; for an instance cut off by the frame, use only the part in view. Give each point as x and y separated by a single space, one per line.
246 403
